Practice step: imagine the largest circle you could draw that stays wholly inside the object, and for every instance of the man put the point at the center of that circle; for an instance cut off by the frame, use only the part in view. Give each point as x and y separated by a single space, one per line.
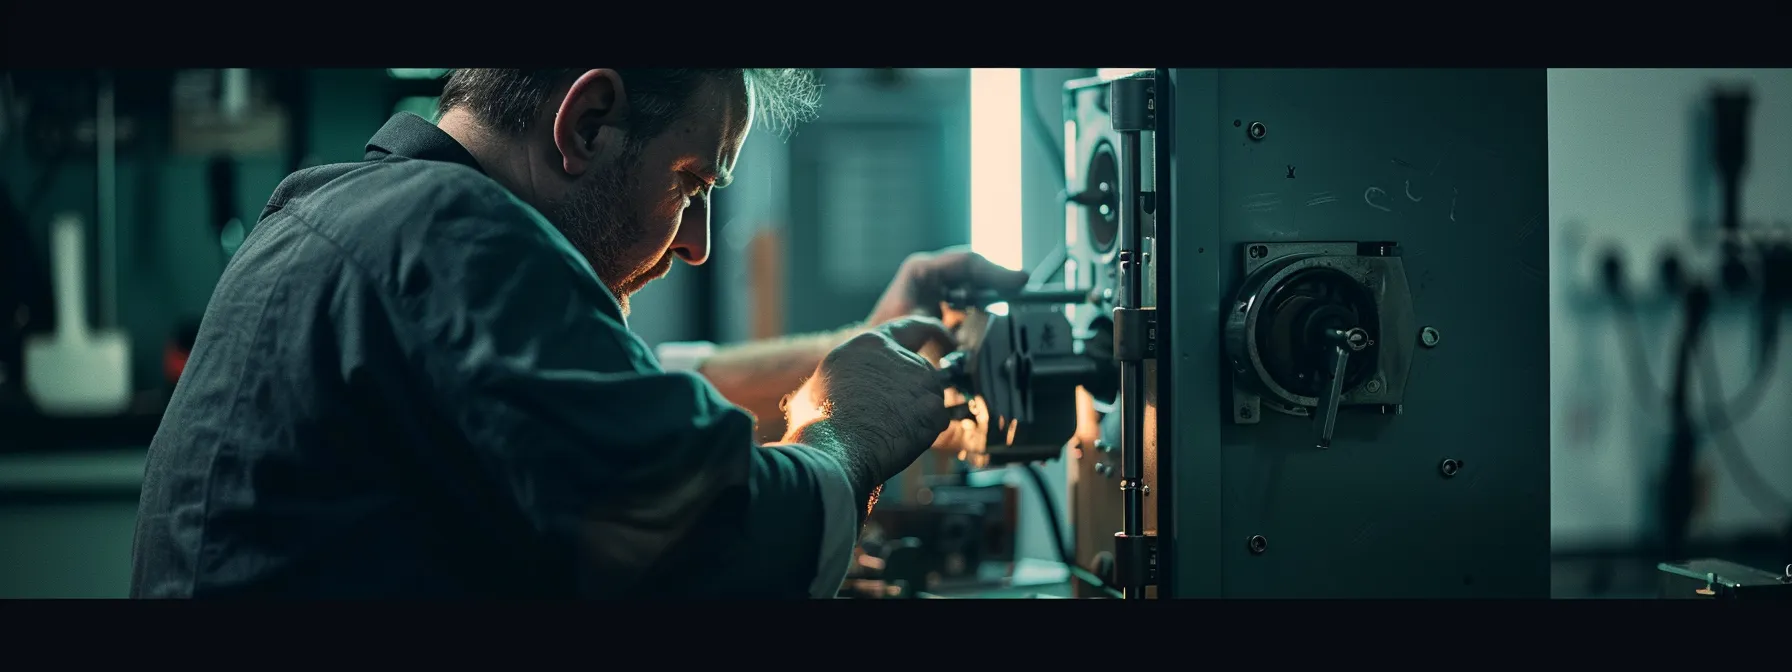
415 377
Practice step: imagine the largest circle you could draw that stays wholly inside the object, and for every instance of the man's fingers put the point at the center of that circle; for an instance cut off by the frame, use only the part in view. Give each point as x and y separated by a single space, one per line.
922 335
959 267
986 274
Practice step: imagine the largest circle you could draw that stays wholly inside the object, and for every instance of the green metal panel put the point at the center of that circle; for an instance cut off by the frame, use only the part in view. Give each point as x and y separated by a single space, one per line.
1453 166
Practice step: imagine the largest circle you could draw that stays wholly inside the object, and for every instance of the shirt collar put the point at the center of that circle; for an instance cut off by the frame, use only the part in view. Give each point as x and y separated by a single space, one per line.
411 136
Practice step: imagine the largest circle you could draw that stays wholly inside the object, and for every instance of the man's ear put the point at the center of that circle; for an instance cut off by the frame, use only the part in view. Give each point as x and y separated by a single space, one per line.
588 124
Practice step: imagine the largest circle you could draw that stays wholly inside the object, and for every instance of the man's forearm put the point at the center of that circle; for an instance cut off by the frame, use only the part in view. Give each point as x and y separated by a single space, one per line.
756 376
823 436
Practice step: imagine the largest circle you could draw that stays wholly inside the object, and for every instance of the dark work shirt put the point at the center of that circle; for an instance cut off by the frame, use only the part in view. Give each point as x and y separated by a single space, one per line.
408 384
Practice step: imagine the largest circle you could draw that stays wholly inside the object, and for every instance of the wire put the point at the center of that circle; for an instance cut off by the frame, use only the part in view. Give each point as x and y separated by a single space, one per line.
1748 478
1056 523
1048 269
1677 504
1739 408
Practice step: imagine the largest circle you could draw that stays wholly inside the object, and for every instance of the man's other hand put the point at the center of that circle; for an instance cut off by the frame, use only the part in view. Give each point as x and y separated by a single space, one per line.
922 282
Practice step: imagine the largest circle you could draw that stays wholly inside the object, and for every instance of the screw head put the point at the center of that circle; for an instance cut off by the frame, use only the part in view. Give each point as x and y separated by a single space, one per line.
1258 544
1429 337
1449 468
1244 412
1257 130
1373 386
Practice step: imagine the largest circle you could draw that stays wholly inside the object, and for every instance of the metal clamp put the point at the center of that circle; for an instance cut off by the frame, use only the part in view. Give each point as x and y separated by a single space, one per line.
1132 105
1135 334
1135 555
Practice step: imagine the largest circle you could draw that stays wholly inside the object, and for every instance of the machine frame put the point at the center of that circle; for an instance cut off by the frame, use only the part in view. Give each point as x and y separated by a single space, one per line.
1447 499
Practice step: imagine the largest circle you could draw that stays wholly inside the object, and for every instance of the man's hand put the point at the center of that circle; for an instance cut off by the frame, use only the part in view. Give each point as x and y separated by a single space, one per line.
922 282
874 402
758 376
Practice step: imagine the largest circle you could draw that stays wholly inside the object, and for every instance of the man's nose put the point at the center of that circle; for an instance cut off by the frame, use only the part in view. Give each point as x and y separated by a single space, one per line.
692 242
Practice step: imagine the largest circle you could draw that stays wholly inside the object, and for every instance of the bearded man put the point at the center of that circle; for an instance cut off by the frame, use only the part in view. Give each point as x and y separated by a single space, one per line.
415 378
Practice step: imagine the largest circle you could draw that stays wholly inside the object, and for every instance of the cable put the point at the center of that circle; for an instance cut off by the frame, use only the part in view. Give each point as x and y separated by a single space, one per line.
1739 408
1735 409
1056 524
1678 492
1754 487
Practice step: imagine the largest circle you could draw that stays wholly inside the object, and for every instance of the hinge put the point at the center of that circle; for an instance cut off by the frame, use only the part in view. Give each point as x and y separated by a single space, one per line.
1135 334
1135 554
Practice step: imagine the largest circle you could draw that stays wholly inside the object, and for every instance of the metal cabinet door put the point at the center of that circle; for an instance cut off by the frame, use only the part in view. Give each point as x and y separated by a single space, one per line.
1450 164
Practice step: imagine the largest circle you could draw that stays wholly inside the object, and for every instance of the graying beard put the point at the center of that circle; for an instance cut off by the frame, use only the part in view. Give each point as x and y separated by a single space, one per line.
596 219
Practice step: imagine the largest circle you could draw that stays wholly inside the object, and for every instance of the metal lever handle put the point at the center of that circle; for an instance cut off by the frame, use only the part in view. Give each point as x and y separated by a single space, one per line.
1339 346
964 298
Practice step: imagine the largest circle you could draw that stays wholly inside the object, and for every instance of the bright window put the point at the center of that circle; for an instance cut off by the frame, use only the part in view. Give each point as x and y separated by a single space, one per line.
995 164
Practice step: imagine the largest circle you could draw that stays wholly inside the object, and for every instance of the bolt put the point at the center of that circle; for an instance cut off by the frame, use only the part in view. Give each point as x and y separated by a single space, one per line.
1429 337
1373 386
1104 446
1145 490
1259 545
1257 130
1104 469
1244 412
1259 251
1450 468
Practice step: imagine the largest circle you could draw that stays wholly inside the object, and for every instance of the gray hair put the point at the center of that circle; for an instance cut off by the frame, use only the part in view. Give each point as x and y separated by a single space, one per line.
511 100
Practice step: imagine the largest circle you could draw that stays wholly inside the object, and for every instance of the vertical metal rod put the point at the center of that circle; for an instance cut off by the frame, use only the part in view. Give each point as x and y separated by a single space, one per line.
1163 300
1132 375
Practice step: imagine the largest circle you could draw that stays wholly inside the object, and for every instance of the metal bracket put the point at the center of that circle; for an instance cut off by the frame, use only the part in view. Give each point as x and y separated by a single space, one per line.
1135 554
1135 334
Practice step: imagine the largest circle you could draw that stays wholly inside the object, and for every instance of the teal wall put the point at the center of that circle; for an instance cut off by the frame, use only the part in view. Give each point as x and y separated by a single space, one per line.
66 520
168 257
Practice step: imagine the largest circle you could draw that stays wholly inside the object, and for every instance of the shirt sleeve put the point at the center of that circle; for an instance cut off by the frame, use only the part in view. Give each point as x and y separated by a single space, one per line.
840 519
685 355
648 481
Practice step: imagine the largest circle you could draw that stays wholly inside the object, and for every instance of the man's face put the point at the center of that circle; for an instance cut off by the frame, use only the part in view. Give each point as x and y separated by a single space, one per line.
651 203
